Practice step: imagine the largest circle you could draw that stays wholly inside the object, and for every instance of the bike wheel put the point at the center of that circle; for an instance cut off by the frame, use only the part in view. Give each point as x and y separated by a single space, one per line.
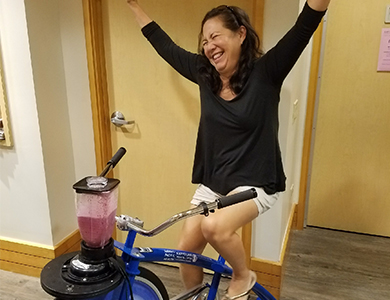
147 286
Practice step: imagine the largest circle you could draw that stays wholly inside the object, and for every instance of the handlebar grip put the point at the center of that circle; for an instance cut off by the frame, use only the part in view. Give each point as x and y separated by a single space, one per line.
117 157
237 198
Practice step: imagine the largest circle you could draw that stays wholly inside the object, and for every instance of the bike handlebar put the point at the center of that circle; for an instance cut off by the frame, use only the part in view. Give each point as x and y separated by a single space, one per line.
127 223
236 198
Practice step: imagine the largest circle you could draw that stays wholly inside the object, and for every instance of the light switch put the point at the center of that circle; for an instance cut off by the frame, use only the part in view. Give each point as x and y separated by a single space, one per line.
387 17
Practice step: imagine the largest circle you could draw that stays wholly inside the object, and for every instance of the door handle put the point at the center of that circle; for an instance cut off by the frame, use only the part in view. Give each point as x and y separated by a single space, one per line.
118 119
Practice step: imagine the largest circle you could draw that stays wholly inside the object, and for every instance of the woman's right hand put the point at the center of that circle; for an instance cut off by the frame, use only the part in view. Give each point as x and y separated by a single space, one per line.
141 17
132 2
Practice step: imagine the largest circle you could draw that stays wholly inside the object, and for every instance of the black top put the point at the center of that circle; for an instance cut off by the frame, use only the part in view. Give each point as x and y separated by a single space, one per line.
237 140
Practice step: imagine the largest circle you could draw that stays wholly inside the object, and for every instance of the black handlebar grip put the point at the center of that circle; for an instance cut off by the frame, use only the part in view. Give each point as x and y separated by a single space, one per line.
117 157
236 198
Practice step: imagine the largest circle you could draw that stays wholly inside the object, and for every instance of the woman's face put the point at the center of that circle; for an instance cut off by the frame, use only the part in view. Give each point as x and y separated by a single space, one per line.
222 46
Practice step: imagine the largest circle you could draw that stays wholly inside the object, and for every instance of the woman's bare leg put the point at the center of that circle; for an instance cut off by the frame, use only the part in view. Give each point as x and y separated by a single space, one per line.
191 239
219 229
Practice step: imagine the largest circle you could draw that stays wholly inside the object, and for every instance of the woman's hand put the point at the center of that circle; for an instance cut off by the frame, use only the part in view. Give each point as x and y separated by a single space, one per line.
319 5
141 17
132 2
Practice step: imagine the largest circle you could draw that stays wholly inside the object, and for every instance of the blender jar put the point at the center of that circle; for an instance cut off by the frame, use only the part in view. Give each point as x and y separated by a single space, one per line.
96 204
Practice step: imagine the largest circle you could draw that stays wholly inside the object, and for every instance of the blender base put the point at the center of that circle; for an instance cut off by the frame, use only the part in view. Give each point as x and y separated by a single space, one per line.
60 279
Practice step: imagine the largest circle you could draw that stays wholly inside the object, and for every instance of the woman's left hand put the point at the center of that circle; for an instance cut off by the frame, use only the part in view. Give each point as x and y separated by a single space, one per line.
319 5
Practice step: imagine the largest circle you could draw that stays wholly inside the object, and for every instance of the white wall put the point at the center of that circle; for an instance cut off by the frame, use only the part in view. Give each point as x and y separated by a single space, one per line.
24 210
269 230
43 49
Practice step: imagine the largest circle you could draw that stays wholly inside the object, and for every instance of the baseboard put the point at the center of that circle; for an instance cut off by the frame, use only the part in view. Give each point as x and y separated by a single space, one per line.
269 273
29 258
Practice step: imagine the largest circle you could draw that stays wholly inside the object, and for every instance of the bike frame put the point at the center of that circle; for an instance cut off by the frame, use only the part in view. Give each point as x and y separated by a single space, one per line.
132 256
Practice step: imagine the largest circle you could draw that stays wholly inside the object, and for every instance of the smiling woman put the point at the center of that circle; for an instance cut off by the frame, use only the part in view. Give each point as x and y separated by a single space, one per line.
228 24
237 144
222 47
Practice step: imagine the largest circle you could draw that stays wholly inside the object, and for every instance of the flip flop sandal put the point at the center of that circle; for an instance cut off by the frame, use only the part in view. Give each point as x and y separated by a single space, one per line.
246 293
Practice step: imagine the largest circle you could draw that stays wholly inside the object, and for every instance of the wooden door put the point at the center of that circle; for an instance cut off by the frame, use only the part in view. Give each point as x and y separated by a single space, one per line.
155 174
350 181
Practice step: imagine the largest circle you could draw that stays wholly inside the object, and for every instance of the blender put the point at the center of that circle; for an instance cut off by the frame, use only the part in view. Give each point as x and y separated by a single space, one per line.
94 272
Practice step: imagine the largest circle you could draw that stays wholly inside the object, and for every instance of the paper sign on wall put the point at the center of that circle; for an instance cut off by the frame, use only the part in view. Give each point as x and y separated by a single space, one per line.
384 51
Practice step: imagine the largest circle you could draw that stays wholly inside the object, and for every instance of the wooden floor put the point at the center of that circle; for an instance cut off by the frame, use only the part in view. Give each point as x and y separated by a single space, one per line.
321 265
332 265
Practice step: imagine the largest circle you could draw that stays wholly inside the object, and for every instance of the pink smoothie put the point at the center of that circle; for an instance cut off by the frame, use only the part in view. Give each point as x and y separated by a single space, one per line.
96 232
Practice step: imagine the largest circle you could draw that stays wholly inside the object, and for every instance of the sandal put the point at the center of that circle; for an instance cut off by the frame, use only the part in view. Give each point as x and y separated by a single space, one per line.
252 282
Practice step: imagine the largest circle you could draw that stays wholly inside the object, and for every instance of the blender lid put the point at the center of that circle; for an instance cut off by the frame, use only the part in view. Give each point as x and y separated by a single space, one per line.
95 184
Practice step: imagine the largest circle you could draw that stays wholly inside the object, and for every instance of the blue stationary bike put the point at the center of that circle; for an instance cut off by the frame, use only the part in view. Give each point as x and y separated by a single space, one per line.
97 273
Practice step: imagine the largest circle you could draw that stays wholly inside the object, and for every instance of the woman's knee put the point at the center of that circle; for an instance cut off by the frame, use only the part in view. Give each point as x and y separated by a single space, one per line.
191 238
213 230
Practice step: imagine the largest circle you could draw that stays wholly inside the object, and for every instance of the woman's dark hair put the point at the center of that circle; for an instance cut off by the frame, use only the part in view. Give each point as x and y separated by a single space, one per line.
233 18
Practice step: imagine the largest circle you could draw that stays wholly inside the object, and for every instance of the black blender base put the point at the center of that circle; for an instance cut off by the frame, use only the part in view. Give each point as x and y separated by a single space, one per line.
59 280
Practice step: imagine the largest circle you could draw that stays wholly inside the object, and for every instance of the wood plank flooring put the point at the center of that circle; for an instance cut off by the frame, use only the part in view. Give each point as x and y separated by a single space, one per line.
332 265
321 265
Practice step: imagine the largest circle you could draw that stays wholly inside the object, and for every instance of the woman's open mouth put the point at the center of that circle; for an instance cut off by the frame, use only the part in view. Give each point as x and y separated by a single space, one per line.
217 57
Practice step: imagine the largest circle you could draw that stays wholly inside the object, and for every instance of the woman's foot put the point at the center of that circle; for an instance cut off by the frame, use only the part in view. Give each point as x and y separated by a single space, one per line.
243 293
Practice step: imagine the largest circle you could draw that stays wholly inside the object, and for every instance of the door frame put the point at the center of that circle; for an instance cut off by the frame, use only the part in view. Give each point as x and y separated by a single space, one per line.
309 122
96 59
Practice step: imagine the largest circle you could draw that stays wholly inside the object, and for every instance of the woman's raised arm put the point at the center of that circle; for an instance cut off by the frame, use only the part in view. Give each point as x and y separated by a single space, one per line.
141 17
319 5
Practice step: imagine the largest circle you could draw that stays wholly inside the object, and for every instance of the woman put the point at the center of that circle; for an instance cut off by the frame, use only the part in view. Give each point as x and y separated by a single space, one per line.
237 145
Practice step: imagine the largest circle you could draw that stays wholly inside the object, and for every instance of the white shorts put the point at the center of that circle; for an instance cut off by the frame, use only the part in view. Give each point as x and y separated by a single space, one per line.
263 201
